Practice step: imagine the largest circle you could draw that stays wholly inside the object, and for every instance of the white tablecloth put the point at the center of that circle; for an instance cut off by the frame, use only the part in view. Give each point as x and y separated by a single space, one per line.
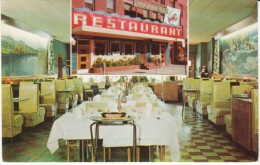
150 131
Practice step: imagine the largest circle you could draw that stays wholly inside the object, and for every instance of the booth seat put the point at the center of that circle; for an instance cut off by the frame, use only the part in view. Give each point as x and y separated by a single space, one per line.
186 82
48 98
60 84
205 97
88 92
194 84
31 111
70 84
255 120
11 123
170 91
220 102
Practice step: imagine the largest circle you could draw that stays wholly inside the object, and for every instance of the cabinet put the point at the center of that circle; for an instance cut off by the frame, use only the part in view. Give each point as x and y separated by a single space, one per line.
242 122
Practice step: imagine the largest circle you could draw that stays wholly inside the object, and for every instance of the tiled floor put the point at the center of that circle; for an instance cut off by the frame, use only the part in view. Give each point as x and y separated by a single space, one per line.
200 141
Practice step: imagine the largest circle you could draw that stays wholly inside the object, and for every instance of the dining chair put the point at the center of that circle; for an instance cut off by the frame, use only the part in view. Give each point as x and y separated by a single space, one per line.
87 90
99 105
11 122
75 145
101 86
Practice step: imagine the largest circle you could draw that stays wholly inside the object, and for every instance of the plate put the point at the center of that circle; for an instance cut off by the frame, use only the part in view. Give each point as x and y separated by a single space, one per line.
113 115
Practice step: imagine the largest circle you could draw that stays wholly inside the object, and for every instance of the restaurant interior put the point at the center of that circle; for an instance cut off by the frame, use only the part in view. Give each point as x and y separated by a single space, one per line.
51 115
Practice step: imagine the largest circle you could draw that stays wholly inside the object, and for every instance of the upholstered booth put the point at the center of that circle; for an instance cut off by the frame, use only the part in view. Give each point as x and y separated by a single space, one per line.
194 84
186 82
48 98
157 89
220 102
60 85
11 123
79 89
255 120
170 91
70 85
205 98
31 111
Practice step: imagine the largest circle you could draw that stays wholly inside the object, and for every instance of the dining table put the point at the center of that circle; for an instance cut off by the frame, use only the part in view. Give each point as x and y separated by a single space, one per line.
151 130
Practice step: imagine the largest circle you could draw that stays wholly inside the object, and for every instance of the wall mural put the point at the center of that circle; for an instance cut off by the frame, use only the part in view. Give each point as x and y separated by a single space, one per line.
239 53
23 53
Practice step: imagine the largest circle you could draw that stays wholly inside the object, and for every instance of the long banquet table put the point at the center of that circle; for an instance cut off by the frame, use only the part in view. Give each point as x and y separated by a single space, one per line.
158 129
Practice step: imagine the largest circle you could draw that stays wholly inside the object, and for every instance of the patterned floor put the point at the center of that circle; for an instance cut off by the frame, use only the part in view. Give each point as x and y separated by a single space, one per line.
200 141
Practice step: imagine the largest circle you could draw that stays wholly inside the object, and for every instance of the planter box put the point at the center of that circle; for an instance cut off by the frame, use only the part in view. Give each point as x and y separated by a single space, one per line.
152 65
115 68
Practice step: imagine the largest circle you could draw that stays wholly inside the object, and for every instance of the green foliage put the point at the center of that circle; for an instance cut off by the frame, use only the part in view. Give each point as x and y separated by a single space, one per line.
134 79
98 63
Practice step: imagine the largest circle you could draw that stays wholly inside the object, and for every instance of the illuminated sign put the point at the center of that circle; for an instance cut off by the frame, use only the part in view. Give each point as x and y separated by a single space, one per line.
123 24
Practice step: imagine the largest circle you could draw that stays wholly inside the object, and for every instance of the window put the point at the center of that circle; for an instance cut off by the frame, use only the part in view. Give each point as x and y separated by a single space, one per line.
154 16
155 49
89 4
159 1
110 6
163 2
129 48
100 47
115 48
145 13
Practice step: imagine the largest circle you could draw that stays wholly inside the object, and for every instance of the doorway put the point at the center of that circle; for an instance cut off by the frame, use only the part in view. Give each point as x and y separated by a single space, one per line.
84 54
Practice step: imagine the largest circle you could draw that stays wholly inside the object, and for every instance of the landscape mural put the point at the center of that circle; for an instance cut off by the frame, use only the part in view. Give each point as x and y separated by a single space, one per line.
239 53
23 53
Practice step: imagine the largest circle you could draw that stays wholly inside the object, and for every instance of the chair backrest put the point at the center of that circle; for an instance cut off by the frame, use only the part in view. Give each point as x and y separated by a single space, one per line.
60 84
86 85
186 83
70 84
101 85
30 91
221 95
7 105
79 85
48 89
205 90
195 83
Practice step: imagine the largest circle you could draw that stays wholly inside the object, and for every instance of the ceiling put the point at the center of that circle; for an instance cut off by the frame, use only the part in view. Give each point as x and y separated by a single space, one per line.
48 16
208 17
